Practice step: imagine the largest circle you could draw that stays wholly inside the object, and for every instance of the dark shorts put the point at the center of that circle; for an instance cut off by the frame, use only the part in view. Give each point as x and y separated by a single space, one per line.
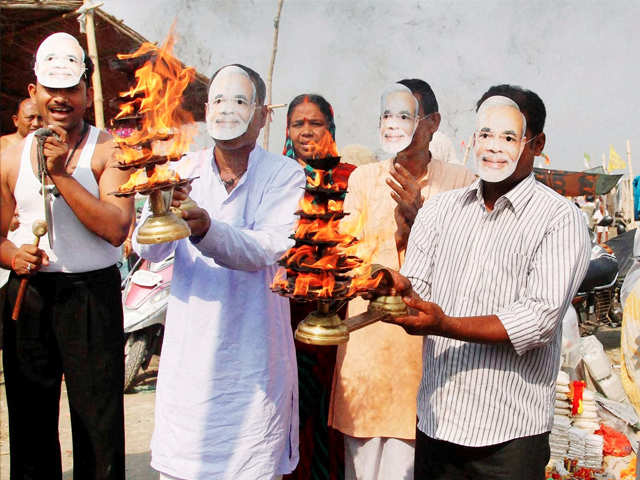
69 324
522 458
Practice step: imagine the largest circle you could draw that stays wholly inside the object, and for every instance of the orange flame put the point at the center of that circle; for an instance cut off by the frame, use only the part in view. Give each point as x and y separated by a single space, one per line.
326 147
324 283
157 98
309 207
138 177
280 280
163 174
335 206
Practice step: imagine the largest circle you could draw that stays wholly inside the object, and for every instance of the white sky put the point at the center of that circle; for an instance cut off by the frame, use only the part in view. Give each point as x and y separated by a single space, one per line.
581 57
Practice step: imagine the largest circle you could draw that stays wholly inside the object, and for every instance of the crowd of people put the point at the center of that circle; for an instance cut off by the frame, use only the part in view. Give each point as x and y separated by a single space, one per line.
462 386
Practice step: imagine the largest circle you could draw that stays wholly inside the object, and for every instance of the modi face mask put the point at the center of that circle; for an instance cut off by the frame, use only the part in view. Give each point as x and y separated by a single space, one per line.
399 119
59 61
499 138
231 104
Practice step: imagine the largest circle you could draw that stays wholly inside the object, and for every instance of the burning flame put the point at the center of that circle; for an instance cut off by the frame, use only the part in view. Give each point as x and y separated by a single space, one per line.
326 147
139 177
161 174
328 261
157 97
308 206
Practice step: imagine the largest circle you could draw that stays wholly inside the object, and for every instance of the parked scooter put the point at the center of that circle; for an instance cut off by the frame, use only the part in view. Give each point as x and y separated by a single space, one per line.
145 296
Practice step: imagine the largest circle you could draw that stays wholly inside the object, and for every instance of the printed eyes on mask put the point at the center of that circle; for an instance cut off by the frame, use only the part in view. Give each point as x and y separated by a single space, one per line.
69 58
485 136
237 100
397 116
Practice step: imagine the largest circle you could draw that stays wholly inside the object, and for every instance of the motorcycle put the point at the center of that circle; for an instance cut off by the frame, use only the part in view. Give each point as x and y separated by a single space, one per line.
595 303
145 297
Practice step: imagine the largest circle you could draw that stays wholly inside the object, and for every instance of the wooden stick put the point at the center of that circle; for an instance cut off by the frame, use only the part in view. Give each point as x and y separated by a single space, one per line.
629 159
39 228
96 81
467 150
276 25
629 165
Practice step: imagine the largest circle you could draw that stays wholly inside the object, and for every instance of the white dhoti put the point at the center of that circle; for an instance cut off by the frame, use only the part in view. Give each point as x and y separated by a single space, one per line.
378 458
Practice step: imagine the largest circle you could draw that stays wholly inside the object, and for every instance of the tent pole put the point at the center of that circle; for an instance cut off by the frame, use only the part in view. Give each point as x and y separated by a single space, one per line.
96 81
276 29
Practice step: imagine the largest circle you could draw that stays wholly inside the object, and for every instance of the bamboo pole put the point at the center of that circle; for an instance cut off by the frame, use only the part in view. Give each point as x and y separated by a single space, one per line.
98 102
276 26
631 200
467 150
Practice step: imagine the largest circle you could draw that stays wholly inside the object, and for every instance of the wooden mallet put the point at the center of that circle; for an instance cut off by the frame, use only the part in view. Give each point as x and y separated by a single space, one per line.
39 228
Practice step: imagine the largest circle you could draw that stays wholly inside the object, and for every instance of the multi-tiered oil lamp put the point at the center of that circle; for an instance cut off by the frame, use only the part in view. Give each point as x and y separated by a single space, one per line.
325 264
160 131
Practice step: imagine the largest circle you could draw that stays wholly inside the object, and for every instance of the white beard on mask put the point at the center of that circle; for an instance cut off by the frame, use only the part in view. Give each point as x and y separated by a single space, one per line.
500 125
396 133
231 104
495 175
393 141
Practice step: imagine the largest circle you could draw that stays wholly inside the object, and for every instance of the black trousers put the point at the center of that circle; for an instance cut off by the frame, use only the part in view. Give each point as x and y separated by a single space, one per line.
522 458
69 324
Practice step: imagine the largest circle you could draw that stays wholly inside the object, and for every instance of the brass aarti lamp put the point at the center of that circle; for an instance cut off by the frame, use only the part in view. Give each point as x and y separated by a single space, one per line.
156 136
320 266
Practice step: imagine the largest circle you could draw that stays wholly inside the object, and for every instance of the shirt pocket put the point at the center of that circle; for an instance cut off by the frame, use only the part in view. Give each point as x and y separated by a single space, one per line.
503 277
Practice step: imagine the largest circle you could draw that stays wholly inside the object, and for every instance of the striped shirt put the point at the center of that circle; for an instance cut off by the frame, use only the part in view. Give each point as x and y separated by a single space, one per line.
523 262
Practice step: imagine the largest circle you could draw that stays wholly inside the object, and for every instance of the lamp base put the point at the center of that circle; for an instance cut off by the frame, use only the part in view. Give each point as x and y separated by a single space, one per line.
162 228
322 329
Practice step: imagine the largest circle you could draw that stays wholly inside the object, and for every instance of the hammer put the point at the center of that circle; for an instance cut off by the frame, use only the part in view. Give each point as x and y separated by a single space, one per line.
39 228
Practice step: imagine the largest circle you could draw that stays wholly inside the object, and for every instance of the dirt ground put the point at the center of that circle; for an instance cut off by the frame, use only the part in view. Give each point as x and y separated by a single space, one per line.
139 408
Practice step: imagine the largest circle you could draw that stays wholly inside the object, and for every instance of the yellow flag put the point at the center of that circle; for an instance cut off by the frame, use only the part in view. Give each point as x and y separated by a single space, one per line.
615 161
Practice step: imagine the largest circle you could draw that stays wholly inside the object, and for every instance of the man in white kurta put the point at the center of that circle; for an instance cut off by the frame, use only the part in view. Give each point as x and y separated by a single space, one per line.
227 399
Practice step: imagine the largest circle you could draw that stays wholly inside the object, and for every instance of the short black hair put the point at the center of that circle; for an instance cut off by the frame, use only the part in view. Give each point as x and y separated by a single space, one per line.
424 92
530 104
319 100
256 79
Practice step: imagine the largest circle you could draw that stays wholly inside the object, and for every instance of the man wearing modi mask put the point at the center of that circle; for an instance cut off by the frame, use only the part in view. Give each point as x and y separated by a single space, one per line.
489 273
70 322
227 397
373 399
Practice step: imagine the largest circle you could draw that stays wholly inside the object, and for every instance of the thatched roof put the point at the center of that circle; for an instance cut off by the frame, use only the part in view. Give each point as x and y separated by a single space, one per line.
24 24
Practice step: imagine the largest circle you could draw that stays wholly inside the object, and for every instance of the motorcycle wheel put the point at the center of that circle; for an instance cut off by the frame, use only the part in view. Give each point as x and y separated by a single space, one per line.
136 350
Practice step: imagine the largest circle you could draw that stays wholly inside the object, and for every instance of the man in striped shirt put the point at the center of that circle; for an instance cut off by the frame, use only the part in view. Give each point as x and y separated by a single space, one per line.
489 273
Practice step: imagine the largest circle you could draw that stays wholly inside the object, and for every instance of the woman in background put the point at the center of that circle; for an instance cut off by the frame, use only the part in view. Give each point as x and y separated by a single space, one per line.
309 117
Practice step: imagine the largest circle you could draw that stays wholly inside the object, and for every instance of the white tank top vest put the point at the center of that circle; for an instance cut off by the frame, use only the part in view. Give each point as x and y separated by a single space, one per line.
76 249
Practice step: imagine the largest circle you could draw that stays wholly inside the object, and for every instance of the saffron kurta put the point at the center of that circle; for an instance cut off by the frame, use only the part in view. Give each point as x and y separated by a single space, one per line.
378 371
227 398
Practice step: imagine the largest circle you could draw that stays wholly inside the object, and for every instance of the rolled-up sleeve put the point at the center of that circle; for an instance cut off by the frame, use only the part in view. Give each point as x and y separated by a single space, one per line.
418 264
251 249
554 275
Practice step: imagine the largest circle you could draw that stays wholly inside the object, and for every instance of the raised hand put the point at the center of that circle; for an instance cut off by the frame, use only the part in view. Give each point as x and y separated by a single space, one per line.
56 151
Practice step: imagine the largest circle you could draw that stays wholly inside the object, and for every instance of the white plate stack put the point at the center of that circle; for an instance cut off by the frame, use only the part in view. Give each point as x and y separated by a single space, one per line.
593 454
577 443
589 421
559 436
